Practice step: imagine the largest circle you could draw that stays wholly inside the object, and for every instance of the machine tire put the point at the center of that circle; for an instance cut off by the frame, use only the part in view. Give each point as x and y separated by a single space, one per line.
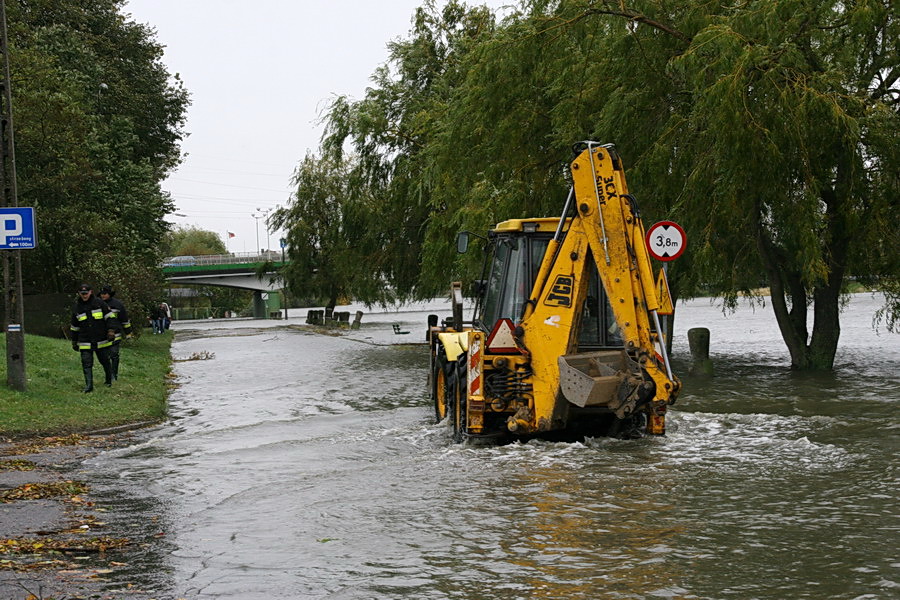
458 402
439 388
631 427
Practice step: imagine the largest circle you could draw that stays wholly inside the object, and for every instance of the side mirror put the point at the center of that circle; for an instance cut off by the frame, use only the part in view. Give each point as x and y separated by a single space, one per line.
462 242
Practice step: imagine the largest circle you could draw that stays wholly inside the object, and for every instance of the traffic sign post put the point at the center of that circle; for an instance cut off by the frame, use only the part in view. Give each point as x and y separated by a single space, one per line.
665 241
16 227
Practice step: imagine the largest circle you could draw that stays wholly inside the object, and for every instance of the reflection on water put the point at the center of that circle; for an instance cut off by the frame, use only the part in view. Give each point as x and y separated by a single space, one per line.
299 465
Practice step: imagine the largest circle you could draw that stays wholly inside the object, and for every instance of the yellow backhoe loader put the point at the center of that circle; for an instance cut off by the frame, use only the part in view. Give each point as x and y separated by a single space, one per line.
565 338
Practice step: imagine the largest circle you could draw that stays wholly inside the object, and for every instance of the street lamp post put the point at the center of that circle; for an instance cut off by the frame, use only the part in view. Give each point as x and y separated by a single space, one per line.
257 217
262 213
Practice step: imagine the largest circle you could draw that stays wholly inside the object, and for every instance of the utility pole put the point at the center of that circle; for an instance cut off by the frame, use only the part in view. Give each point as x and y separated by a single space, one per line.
12 282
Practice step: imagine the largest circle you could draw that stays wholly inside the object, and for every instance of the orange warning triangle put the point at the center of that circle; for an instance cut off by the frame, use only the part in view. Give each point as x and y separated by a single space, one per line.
663 295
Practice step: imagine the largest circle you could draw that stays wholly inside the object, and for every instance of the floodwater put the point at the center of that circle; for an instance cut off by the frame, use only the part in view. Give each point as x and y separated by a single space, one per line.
303 465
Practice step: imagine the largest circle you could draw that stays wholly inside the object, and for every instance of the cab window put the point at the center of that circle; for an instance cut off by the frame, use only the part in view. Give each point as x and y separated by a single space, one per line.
598 324
513 270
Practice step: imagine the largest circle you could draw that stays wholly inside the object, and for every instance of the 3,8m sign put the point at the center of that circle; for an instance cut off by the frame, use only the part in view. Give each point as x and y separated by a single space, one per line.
666 240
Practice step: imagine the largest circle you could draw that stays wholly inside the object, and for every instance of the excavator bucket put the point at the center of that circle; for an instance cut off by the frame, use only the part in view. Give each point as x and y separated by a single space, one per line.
594 378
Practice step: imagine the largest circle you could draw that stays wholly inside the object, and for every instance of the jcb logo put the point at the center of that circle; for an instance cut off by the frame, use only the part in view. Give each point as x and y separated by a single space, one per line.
561 292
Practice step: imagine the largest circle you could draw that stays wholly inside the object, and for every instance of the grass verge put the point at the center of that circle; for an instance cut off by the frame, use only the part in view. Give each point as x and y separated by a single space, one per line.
54 404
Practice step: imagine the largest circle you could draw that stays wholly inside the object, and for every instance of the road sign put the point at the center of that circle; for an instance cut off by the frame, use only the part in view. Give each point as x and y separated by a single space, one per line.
503 337
666 240
17 230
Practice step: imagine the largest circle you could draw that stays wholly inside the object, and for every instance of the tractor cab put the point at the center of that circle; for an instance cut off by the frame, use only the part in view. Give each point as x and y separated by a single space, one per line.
516 250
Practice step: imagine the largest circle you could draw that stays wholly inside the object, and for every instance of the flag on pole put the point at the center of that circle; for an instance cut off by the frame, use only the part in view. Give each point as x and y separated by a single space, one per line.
230 235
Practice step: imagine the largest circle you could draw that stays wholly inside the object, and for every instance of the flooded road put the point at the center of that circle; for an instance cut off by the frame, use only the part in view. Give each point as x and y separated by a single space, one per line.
302 465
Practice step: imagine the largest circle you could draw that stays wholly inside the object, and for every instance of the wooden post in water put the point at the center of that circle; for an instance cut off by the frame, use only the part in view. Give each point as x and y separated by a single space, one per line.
698 339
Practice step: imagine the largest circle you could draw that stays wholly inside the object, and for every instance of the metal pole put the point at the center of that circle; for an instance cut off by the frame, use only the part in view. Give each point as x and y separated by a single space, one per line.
662 344
285 288
665 319
255 216
15 310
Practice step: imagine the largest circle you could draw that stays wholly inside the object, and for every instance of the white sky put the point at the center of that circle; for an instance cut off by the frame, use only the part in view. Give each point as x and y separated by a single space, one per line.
260 76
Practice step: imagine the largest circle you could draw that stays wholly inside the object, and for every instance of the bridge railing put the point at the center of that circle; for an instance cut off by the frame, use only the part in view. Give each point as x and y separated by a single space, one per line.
199 312
222 259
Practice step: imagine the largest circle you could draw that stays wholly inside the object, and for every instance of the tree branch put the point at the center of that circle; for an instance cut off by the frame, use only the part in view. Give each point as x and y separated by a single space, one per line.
636 16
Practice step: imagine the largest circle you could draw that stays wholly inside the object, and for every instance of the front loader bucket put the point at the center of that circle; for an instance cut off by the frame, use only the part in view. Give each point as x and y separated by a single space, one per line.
593 378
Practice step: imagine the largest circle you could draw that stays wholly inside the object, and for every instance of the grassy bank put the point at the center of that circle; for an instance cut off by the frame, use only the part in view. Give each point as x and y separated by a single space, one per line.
54 403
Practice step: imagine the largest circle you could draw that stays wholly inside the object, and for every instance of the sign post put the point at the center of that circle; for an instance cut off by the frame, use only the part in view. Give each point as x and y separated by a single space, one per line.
16 227
665 241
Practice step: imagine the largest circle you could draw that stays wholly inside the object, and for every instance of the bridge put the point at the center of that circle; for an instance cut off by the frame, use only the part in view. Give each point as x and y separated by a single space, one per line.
237 270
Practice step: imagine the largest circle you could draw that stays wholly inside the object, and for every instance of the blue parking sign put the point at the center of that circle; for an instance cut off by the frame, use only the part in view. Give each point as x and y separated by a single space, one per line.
17 231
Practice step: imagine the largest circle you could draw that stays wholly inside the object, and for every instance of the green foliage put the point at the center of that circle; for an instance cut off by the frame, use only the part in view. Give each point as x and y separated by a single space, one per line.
97 124
392 178
329 234
192 241
767 129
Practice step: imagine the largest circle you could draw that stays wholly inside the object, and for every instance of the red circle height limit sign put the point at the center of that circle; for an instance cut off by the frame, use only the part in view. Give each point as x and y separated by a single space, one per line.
666 240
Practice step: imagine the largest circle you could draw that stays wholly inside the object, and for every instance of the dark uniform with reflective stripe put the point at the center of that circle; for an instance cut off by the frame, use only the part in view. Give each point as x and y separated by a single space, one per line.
94 327
118 308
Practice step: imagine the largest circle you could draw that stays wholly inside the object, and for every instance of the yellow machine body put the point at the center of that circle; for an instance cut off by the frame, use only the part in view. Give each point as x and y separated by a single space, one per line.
531 371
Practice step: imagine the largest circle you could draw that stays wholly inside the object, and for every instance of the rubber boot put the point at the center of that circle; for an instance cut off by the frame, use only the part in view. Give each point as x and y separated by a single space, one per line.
114 360
88 380
109 376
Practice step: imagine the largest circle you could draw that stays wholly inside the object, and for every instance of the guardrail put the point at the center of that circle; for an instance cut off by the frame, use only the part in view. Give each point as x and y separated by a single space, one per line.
223 259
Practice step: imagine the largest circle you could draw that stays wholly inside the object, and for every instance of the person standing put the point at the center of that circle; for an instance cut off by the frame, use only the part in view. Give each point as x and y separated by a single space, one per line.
118 308
155 319
94 327
166 315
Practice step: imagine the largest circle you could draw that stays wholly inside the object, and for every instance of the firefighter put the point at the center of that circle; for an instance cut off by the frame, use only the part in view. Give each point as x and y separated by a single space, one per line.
94 327
118 308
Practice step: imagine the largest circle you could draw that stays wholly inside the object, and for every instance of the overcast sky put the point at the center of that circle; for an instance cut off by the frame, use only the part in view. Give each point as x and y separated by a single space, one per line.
260 75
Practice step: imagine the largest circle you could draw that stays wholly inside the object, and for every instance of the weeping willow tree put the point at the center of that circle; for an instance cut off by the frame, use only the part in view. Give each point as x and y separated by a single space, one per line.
767 129
394 130
780 154
334 235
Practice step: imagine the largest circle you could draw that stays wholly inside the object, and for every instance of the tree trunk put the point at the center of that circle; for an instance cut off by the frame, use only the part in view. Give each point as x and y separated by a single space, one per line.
792 326
827 296
826 328
793 334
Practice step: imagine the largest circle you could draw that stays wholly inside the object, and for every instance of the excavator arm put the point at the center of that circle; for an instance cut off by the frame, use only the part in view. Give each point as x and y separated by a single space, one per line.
606 225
